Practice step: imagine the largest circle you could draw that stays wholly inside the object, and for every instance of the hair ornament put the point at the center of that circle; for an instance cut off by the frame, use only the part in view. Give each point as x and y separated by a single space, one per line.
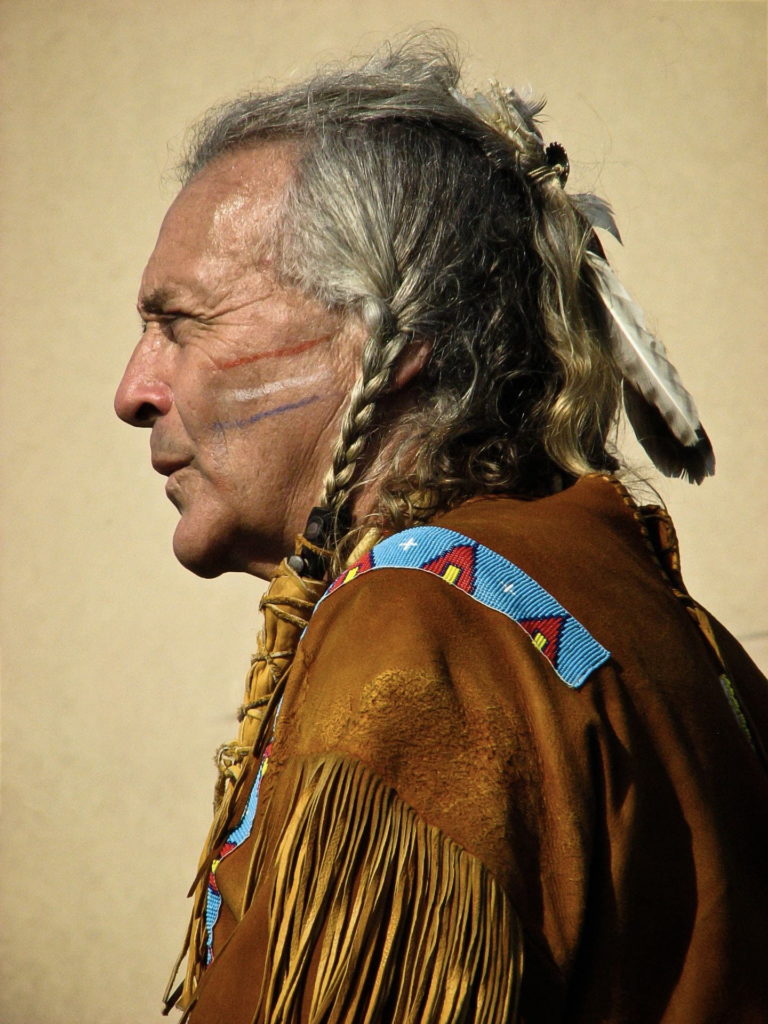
597 212
662 412
509 114
557 159
660 409
513 115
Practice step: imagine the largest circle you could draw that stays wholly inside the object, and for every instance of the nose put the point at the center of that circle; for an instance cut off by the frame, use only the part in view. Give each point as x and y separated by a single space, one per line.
142 396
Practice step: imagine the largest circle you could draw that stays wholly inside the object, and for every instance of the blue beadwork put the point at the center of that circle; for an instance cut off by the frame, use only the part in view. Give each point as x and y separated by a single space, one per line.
237 836
495 582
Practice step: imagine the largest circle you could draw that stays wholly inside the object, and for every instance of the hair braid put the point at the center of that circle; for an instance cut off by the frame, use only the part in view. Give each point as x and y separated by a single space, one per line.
378 362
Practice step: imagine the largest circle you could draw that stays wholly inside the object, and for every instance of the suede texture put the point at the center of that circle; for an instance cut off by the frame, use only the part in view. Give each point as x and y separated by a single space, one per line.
626 821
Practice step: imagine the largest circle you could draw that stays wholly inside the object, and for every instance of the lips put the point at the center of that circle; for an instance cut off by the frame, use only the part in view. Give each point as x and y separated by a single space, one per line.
167 465
171 468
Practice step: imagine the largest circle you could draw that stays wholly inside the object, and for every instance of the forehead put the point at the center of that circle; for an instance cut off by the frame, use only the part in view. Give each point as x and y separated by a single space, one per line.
223 220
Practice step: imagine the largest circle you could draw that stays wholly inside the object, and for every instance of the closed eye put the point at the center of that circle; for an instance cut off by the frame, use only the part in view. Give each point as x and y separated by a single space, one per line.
165 320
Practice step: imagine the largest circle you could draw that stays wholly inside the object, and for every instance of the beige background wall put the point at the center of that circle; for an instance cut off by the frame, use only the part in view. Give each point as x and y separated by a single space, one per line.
120 671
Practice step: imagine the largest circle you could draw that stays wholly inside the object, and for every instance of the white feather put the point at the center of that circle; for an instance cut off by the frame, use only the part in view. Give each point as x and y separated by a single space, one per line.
642 357
646 369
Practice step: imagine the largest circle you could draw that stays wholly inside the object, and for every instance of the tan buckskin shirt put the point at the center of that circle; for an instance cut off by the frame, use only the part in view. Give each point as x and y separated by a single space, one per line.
441 809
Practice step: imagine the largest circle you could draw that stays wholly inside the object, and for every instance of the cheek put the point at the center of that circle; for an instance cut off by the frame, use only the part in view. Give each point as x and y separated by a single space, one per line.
242 404
267 434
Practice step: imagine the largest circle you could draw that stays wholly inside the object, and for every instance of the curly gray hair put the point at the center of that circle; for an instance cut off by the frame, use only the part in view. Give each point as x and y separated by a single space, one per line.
436 218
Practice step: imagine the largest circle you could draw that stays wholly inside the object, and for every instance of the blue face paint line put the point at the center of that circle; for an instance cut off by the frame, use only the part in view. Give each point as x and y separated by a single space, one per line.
250 420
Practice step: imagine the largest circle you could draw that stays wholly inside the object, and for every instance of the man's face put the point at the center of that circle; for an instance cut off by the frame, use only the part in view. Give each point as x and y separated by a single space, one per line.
241 379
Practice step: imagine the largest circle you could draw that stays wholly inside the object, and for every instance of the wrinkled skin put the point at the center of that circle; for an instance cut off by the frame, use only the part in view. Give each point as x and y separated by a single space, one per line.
240 379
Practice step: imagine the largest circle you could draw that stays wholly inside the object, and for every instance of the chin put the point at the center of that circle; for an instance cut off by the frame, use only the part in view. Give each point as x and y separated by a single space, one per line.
201 564
204 555
208 556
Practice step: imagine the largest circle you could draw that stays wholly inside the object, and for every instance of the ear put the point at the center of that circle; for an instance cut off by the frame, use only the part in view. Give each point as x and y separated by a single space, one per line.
411 362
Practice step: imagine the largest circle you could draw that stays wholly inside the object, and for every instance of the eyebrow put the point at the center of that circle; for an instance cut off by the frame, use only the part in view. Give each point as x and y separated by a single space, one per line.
157 302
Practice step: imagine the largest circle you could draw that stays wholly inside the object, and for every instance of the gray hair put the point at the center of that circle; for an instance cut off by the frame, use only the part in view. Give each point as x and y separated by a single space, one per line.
433 217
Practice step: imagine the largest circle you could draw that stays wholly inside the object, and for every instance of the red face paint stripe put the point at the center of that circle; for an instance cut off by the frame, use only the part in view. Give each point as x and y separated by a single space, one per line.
276 352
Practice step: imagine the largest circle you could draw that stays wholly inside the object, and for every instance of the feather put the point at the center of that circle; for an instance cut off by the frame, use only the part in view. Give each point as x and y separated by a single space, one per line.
596 211
661 411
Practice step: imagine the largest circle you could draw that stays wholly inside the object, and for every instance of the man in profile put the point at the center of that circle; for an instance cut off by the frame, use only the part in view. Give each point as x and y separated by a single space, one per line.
494 762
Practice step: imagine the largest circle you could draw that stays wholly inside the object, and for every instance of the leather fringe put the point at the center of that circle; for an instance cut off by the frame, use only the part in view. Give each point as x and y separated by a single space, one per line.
391 918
